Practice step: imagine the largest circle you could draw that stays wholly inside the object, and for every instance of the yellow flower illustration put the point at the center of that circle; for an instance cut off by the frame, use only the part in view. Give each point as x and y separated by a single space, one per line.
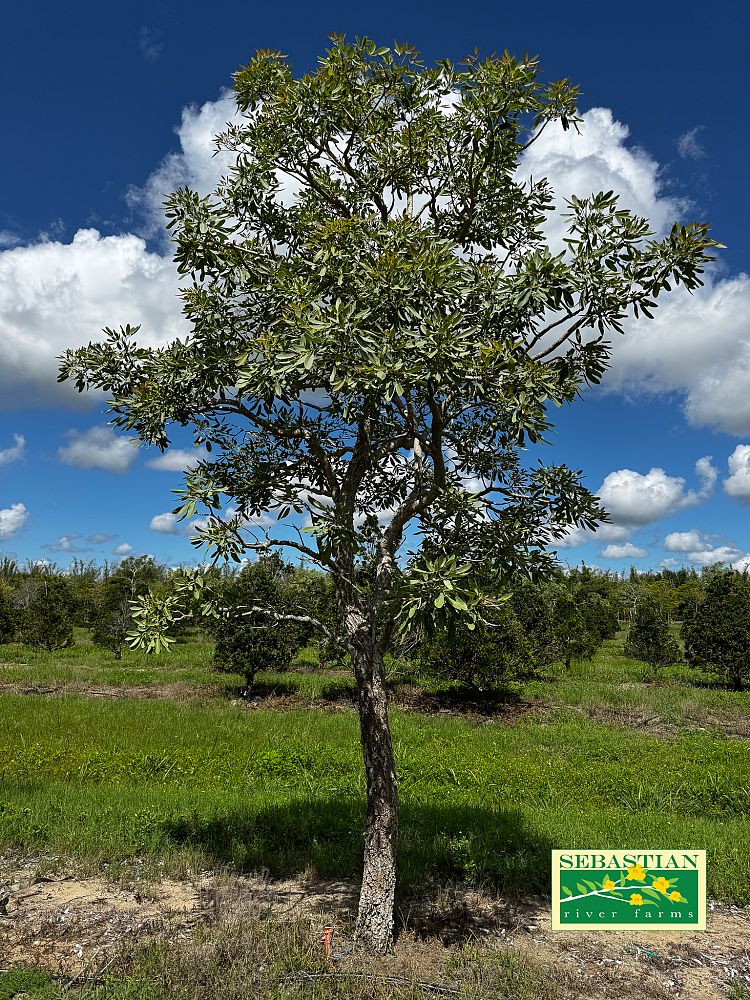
675 896
637 872
661 883
636 899
608 884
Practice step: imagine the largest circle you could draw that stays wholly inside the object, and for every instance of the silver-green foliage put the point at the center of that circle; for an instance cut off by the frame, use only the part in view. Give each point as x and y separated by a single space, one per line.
377 320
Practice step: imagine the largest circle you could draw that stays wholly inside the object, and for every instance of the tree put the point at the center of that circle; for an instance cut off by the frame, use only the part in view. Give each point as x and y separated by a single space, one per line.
139 574
485 658
377 323
533 603
718 634
691 595
7 615
665 595
599 616
649 637
247 643
574 641
112 618
84 583
46 612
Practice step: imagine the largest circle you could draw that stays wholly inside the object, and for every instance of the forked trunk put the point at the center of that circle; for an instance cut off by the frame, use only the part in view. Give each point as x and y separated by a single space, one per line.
376 900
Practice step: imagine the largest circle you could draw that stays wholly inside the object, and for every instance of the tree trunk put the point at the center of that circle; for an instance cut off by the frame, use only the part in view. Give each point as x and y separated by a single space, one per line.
377 895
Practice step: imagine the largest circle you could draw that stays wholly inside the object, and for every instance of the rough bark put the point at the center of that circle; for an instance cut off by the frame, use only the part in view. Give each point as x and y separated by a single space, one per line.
377 895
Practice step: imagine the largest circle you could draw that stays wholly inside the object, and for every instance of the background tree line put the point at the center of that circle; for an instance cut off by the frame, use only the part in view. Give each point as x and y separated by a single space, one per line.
667 616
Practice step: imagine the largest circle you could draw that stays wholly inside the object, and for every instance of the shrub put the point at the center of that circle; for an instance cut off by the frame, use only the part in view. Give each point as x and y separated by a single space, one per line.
718 635
46 612
574 641
649 637
112 619
256 645
249 642
533 604
7 616
599 616
484 659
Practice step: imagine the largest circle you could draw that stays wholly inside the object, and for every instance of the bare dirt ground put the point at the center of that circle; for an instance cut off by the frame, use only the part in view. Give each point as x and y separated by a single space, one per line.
76 927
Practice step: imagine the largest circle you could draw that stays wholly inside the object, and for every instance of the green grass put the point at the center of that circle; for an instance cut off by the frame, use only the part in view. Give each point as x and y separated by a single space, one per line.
189 786
678 695
611 684
189 663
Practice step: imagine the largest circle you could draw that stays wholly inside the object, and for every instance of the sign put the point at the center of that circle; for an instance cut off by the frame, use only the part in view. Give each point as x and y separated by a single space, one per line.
628 890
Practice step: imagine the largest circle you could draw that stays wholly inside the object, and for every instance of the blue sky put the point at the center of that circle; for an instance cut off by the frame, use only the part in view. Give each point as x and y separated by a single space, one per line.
105 108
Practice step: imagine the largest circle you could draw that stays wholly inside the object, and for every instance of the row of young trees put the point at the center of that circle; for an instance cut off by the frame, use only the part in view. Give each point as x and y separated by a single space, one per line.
564 618
40 605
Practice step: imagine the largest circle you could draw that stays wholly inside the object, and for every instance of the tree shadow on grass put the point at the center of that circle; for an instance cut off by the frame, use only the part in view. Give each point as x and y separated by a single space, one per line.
439 843
339 690
260 690
460 701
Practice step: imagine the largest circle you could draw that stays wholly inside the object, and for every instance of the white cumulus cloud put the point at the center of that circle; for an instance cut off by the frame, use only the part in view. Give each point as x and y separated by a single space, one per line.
177 459
604 533
628 550
737 484
122 550
12 519
166 523
15 452
697 345
67 543
699 548
598 158
98 448
195 165
636 499
59 295
684 541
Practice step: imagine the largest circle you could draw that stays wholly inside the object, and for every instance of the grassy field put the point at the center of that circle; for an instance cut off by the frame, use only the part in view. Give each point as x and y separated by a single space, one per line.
609 684
196 779
201 785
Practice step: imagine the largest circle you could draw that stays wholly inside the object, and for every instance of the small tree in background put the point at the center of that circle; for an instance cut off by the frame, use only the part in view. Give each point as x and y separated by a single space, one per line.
7 614
140 574
718 635
247 641
599 615
574 641
46 618
112 619
649 637
533 603
485 658
665 595
691 595
84 583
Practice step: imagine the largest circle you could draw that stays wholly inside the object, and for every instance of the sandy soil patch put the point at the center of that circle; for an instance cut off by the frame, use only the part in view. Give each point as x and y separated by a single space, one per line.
76 927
